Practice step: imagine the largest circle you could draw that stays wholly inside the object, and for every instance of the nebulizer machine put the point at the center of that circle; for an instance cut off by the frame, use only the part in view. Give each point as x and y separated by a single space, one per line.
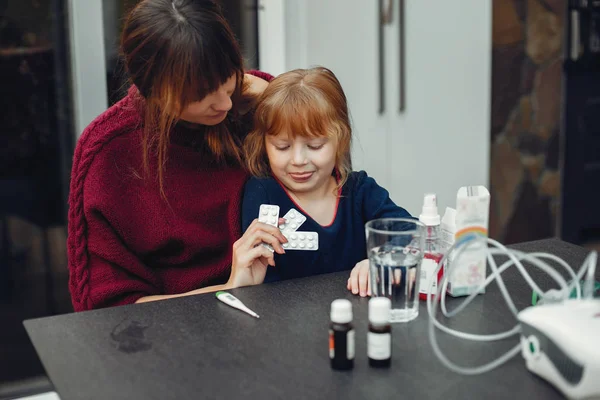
559 338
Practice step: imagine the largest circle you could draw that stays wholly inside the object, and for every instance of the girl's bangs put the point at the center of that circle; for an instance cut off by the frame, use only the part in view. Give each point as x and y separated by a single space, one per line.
306 120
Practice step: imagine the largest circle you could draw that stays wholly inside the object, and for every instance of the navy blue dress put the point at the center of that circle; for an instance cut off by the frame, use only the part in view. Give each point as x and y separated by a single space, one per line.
341 244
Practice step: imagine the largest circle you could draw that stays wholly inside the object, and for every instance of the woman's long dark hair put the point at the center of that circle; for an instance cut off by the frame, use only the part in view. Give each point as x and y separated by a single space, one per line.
176 52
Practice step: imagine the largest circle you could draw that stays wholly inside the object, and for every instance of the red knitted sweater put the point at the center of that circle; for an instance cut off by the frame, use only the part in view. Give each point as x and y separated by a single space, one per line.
125 241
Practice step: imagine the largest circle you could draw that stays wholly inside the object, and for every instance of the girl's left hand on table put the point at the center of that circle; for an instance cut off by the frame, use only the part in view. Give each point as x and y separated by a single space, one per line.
359 281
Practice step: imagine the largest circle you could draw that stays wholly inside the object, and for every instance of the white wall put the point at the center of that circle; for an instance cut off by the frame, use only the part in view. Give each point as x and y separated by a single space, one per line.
88 69
272 35
448 98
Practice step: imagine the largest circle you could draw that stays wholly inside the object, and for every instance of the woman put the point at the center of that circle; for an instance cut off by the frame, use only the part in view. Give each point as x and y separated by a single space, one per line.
157 179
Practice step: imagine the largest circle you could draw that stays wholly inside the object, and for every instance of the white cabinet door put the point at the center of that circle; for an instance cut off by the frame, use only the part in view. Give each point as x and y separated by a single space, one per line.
441 141
342 35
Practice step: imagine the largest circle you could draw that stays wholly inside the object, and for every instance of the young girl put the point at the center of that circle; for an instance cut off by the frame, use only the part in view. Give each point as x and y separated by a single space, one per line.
299 155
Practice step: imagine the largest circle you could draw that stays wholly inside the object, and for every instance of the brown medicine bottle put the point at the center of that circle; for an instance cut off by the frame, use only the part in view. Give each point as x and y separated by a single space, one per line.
341 335
379 338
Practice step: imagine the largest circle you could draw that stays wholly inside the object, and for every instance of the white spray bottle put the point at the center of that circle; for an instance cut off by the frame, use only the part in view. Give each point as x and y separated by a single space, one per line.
432 253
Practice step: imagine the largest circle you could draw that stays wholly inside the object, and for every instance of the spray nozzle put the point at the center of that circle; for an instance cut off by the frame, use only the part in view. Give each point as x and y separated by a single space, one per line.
429 213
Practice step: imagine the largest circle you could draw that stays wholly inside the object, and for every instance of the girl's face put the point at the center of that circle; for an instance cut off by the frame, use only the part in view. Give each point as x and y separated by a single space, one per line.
303 164
212 109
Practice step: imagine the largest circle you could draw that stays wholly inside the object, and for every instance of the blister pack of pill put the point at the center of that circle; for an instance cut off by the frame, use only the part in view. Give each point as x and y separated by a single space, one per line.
269 214
293 221
297 240
300 240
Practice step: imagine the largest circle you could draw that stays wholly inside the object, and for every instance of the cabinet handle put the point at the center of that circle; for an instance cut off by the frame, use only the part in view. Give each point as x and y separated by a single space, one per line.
401 54
384 16
387 12
381 55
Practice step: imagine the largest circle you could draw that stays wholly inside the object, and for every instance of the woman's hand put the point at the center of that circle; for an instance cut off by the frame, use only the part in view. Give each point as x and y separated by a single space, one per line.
250 258
253 88
359 281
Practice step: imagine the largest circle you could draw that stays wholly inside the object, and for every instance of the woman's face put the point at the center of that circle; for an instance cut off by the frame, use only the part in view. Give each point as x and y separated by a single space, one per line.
212 109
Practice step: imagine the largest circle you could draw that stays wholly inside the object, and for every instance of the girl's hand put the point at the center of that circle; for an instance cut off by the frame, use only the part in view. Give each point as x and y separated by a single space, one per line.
359 281
250 258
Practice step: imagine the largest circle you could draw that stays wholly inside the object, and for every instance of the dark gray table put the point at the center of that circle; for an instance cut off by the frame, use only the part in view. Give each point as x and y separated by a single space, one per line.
197 347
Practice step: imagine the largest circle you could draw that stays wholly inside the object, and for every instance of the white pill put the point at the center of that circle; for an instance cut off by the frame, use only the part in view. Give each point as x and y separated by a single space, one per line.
302 245
302 237
294 244
294 226
310 245
294 236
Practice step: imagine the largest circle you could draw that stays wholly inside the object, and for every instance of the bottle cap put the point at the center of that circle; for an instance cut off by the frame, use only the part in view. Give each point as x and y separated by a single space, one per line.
341 311
429 214
379 310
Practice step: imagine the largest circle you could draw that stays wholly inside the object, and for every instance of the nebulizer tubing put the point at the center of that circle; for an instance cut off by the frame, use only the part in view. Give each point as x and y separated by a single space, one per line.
515 258
496 272
519 256
589 284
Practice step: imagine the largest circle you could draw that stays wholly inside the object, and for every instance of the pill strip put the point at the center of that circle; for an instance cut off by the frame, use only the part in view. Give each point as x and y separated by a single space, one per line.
297 240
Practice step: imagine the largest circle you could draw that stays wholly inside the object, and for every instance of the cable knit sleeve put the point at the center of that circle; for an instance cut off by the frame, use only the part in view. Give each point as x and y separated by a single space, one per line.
116 275
103 272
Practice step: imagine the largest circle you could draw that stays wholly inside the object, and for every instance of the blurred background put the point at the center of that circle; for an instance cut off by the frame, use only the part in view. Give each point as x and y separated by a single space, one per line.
504 93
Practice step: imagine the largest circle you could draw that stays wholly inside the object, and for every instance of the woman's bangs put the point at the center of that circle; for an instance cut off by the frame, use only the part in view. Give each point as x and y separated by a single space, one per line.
205 74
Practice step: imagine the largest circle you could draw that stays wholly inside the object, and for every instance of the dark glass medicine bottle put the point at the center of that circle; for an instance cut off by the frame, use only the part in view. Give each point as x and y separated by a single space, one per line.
341 335
379 338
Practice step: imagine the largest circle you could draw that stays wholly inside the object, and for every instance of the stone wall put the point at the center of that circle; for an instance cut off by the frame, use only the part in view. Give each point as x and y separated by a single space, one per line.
526 96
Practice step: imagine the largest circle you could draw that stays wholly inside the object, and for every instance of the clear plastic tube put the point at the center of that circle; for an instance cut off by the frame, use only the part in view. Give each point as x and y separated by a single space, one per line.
497 271
515 258
589 284
520 256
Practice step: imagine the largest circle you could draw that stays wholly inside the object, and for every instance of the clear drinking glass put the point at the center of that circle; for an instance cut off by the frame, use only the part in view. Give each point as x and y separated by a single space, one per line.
395 247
